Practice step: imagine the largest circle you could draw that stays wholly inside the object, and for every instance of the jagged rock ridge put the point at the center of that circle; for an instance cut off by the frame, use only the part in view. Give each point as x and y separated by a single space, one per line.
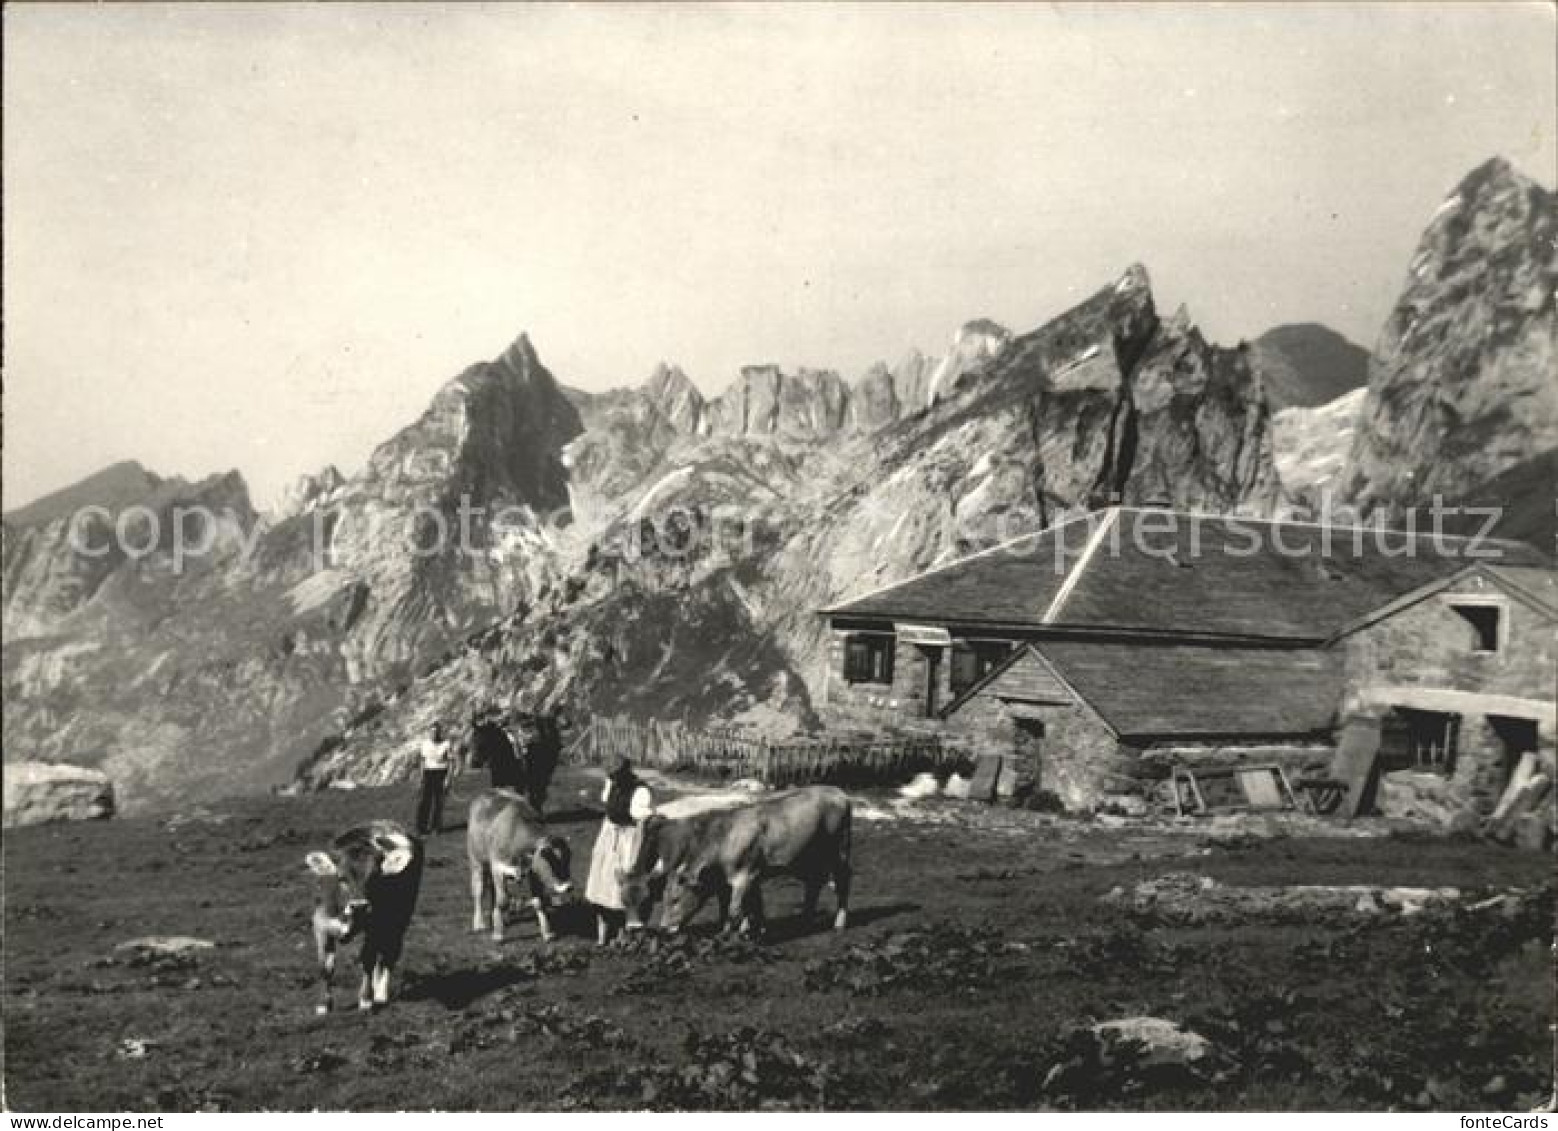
767 401
1106 394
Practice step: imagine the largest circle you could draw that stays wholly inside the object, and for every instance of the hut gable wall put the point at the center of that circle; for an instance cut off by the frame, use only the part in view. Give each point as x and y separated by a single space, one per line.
1428 646
1077 758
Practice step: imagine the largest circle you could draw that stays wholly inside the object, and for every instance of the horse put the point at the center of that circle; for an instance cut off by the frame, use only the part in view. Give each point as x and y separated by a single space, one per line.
493 749
525 766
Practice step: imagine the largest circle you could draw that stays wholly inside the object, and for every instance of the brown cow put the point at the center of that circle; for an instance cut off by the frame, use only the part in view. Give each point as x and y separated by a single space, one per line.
506 842
368 884
726 853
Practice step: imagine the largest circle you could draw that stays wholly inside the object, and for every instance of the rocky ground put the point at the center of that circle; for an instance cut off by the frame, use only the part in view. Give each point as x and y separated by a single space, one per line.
997 959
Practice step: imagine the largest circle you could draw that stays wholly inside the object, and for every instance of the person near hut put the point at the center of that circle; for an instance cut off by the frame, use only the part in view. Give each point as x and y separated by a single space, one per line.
437 761
628 805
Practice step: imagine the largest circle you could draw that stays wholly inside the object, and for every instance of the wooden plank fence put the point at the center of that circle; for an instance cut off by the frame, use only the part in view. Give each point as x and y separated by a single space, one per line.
729 755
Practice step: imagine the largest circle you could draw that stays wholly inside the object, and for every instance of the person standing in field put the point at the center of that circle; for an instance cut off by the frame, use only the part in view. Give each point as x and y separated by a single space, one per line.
437 757
628 805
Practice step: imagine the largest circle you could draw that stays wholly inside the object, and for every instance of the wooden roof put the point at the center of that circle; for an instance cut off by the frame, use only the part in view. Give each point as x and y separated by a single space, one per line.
1023 677
1140 570
1151 691
1538 586
1009 584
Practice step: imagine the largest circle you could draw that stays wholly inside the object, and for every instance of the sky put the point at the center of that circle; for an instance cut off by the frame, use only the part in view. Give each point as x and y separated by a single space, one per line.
263 237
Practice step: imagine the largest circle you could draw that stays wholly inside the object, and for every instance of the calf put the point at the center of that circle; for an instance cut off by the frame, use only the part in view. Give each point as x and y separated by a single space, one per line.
506 842
728 852
368 884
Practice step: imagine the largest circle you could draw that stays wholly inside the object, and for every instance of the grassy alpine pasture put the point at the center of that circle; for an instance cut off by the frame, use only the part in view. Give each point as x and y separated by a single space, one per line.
979 945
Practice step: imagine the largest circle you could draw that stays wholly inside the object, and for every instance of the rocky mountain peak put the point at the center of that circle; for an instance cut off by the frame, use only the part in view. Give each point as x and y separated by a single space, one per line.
674 394
1463 382
1485 209
1093 344
1135 278
668 382
1494 175
981 330
495 429
519 359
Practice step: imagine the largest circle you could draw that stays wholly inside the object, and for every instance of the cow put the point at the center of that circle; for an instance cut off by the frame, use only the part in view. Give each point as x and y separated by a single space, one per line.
726 853
506 842
368 884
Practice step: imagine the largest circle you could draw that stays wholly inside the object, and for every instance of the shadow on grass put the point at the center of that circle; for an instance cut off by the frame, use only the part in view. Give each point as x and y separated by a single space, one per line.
865 916
573 919
459 988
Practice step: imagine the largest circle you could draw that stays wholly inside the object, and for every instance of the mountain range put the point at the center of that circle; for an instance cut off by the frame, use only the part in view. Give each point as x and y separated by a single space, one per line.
653 550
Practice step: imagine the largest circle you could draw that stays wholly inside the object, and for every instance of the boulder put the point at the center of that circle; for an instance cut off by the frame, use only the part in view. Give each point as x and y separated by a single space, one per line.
1130 1053
165 946
36 792
923 786
1153 1041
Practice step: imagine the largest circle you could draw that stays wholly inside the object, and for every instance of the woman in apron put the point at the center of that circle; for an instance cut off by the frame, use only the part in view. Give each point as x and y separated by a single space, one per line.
628 804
